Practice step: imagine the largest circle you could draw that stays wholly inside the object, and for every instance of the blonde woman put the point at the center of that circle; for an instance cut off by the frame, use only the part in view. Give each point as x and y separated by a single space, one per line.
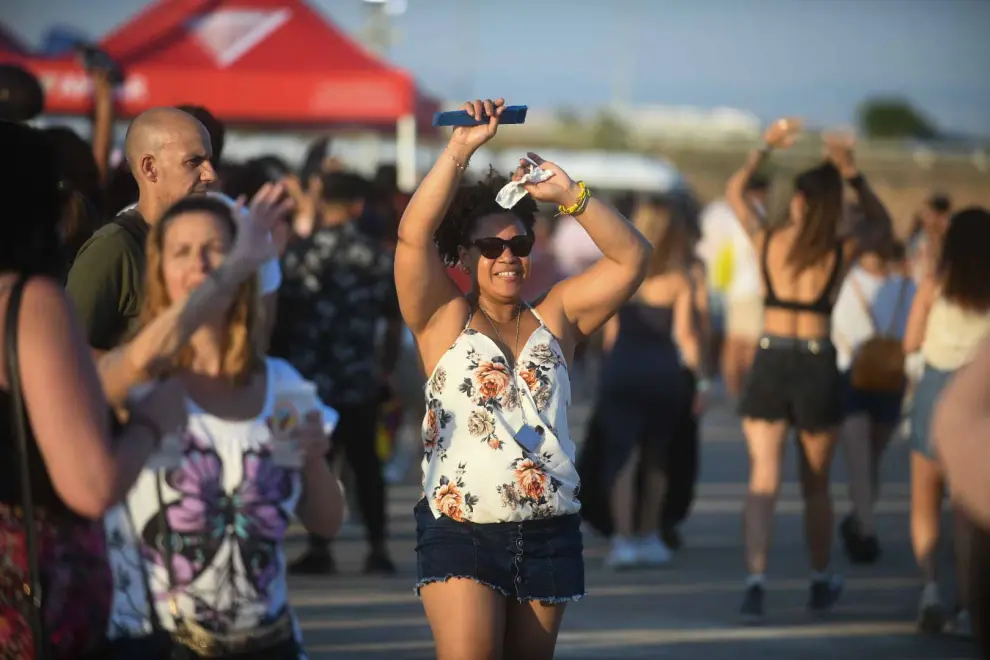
197 548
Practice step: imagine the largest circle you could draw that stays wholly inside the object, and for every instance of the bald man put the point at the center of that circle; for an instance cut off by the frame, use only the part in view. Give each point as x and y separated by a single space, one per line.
169 153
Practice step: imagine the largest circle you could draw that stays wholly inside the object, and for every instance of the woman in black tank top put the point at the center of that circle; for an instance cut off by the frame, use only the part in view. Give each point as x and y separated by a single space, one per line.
794 381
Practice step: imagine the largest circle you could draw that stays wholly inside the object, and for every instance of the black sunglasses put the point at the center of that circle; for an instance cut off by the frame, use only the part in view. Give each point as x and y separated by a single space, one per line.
492 247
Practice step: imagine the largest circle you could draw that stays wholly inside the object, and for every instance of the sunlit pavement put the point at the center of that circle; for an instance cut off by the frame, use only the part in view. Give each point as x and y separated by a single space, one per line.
686 611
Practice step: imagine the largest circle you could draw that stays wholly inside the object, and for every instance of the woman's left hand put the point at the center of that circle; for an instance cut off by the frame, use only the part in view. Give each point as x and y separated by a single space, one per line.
559 189
314 444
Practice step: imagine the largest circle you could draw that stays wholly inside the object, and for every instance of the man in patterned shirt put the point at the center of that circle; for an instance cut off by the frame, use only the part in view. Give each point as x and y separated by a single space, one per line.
337 293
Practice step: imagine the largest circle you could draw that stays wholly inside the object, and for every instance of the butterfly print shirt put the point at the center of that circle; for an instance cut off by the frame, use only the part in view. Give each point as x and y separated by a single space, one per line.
473 468
228 506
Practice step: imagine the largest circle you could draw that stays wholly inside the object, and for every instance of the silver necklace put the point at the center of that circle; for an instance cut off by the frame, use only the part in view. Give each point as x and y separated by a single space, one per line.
515 347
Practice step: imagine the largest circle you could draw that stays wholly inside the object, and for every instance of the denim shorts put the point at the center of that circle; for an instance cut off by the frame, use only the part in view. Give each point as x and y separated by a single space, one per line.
534 560
880 407
793 380
926 395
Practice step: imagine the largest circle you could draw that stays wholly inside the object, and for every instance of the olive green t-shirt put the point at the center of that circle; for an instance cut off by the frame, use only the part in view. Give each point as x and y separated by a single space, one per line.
106 282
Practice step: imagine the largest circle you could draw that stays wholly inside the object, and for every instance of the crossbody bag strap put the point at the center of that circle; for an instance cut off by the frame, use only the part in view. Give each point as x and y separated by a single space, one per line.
866 303
156 622
901 294
19 419
173 605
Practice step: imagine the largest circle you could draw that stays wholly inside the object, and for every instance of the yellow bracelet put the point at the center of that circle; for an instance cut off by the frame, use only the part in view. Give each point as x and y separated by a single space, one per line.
584 194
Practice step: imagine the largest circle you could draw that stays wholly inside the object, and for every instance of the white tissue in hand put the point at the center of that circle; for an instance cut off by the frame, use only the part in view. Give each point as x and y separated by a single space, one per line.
512 192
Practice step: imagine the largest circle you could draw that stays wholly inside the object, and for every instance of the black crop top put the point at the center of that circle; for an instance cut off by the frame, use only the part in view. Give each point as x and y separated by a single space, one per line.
822 305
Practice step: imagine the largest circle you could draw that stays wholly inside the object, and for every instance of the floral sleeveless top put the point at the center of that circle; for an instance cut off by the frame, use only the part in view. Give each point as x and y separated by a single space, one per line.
476 405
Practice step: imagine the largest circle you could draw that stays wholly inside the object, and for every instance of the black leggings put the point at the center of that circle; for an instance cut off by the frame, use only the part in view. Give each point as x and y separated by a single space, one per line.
354 439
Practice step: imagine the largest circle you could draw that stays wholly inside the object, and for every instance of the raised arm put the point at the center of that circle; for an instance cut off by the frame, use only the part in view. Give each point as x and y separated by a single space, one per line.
780 135
421 279
103 119
160 341
587 300
839 150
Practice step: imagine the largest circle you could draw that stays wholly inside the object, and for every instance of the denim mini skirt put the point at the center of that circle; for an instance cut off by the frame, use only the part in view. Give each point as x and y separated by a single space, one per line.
926 395
534 560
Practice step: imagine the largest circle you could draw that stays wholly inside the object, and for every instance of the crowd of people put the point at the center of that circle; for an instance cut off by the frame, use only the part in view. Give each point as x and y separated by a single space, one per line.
183 337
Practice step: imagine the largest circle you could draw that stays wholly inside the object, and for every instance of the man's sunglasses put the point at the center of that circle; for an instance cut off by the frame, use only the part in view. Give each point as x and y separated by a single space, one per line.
492 247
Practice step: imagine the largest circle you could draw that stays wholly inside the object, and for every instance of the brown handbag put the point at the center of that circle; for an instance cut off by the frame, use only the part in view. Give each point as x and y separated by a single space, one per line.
878 366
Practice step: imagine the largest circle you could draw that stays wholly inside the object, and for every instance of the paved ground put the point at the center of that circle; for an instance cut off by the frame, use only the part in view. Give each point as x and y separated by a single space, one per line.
687 611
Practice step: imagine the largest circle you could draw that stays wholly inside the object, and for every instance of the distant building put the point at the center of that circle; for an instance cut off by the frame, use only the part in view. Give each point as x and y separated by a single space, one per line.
655 121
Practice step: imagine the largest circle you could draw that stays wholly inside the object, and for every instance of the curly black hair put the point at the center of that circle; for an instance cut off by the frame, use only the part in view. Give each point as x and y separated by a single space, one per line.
474 201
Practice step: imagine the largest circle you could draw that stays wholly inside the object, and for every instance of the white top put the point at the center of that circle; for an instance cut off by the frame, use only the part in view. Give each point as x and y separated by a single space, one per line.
270 273
953 335
228 507
473 468
721 233
851 324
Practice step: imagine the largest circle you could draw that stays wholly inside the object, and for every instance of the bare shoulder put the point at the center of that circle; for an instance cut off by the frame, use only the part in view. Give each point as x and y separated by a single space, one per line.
550 309
43 298
442 331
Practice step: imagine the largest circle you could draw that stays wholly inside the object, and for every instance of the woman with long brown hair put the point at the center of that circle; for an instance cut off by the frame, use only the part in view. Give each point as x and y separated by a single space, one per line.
197 547
644 394
794 381
949 319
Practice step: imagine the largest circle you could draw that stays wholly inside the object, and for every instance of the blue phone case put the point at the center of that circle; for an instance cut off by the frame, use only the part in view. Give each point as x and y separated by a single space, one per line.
513 114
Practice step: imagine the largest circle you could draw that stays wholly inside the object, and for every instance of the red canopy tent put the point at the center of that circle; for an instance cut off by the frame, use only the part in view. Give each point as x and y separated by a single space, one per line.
258 62
10 46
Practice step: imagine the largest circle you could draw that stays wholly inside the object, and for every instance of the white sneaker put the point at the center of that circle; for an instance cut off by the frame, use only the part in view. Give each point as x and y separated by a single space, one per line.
931 616
651 551
962 625
623 554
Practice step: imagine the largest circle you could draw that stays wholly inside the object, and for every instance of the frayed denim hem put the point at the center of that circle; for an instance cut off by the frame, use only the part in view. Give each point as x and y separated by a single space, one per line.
432 580
554 601
527 599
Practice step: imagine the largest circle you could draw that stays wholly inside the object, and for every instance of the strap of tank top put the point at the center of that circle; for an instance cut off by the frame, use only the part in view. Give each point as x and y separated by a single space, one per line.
535 313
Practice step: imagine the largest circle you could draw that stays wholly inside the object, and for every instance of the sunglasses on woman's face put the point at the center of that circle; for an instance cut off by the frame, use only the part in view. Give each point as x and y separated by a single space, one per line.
492 247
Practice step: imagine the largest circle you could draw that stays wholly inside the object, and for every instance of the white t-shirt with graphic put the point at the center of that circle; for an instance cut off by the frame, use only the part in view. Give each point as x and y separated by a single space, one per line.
228 507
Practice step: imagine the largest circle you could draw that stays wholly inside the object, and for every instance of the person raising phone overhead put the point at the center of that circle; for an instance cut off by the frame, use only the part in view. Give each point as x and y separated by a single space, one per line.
499 460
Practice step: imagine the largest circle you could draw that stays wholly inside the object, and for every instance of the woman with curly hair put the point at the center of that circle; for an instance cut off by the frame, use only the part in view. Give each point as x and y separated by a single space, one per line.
498 532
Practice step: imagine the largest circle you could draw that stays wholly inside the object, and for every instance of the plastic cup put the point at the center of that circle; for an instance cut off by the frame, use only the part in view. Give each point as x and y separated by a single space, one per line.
292 405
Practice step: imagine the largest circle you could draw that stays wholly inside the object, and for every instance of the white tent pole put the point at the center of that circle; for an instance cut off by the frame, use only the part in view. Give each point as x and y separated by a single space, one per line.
405 152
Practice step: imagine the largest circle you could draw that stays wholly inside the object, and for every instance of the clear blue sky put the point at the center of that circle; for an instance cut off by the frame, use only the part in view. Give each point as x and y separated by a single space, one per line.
815 58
